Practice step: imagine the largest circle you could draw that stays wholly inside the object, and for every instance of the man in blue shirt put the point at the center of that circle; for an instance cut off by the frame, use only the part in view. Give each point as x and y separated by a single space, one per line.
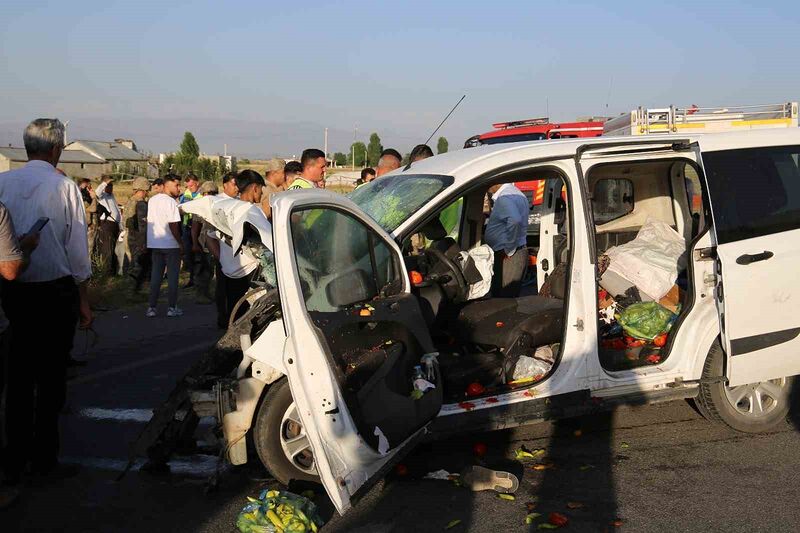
505 233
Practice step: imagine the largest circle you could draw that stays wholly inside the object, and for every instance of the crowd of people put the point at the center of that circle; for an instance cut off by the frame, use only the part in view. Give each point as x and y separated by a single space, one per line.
51 228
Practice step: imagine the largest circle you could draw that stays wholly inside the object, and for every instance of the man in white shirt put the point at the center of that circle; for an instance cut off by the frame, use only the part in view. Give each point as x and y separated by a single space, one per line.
45 302
164 243
237 269
506 233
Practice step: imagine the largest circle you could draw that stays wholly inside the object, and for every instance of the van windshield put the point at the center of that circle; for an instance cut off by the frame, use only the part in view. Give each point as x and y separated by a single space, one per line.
391 200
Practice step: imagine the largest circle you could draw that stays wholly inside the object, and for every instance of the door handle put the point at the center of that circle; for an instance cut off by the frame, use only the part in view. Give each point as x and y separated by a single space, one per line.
746 259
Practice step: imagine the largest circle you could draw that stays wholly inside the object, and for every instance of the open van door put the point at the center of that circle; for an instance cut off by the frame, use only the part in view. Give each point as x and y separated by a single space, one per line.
355 336
755 206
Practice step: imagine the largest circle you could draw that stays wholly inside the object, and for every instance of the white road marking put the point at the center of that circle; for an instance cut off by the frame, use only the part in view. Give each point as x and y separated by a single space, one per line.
132 415
194 465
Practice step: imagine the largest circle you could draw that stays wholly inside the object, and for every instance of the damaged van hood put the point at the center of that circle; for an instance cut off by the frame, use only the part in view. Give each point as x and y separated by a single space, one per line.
229 216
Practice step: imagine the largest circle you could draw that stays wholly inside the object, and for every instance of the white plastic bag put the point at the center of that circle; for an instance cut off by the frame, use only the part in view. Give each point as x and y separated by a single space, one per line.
652 260
483 258
528 367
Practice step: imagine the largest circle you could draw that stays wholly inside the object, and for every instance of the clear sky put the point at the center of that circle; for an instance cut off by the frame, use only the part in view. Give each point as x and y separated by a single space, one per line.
395 68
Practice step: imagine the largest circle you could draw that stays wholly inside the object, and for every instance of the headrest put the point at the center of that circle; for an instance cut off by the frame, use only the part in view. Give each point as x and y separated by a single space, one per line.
434 230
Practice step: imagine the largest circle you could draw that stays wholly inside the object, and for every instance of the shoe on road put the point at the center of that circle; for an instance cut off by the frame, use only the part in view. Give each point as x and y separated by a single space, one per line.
174 311
151 312
479 478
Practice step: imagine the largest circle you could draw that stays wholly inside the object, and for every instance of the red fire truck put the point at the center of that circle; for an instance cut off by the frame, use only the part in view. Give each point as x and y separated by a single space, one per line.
537 129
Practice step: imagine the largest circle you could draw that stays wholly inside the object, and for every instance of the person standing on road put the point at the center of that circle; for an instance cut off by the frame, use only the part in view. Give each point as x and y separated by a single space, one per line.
313 174
367 175
135 223
237 269
110 224
420 152
164 243
192 192
90 205
229 190
506 233
291 171
14 258
157 187
275 182
204 261
390 160
50 297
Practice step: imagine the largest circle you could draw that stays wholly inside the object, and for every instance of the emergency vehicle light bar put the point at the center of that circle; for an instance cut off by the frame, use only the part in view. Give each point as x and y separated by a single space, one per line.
541 121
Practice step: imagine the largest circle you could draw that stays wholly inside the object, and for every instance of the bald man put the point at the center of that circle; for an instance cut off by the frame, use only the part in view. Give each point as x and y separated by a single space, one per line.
389 161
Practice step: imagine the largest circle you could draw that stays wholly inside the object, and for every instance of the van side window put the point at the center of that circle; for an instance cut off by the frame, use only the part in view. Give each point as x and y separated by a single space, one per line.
340 261
754 191
612 199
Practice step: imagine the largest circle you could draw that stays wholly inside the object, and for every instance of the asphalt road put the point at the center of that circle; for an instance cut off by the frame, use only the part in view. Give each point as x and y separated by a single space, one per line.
655 468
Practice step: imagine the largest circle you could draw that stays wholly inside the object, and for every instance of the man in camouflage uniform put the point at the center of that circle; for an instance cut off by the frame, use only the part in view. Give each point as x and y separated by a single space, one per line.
134 217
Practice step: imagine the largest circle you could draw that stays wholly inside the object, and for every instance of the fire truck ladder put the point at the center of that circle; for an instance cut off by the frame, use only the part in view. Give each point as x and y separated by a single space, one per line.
673 119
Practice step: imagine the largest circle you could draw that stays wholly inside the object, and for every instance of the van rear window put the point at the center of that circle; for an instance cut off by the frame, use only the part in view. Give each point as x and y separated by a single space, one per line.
611 199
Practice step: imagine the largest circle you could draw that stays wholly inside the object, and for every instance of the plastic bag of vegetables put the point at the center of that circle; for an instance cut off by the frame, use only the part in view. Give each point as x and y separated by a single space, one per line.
645 320
277 511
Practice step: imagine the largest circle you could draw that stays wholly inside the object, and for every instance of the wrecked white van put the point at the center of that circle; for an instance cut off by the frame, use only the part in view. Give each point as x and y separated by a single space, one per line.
329 386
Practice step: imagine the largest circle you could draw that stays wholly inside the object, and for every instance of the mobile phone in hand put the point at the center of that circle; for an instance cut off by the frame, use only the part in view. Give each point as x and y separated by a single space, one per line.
38 225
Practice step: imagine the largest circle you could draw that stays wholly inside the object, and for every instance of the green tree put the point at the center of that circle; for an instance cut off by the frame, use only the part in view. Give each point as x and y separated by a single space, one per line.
441 145
360 150
374 149
340 159
189 146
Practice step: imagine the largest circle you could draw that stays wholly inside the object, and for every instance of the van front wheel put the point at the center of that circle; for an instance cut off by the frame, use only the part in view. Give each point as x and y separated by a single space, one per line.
751 408
280 438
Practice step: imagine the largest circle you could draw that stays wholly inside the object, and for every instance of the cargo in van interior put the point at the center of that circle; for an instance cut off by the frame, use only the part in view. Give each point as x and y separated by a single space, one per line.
646 215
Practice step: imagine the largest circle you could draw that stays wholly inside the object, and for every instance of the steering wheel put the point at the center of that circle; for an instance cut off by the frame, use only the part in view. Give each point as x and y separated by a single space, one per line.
456 275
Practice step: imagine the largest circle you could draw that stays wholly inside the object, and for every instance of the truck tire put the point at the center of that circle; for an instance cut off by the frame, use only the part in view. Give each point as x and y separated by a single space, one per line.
279 437
752 408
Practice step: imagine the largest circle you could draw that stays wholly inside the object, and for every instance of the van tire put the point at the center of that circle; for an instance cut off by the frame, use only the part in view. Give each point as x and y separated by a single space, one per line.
267 428
714 404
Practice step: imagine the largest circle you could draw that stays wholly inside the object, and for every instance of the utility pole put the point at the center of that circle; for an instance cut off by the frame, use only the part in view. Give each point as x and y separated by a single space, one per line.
326 146
353 148
65 132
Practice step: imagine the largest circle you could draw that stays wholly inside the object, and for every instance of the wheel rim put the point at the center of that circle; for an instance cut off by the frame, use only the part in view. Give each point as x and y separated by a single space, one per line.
295 443
757 400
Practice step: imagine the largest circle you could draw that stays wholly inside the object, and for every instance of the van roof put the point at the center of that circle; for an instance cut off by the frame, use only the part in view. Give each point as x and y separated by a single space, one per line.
497 155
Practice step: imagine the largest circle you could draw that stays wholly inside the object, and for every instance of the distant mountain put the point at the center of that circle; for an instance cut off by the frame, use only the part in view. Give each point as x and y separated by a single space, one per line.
244 138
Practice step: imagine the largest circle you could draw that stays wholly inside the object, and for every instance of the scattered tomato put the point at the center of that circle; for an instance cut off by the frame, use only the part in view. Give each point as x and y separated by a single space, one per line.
616 522
475 389
499 324
479 449
653 359
632 342
661 340
558 519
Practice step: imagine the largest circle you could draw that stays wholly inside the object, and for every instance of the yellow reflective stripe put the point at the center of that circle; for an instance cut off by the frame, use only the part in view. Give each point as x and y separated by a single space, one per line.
763 122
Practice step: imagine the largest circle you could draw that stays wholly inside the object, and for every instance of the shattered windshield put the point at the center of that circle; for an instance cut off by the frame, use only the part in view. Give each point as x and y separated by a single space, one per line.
390 200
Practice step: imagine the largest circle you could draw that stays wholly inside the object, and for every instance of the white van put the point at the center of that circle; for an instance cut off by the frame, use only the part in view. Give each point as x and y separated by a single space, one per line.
326 387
